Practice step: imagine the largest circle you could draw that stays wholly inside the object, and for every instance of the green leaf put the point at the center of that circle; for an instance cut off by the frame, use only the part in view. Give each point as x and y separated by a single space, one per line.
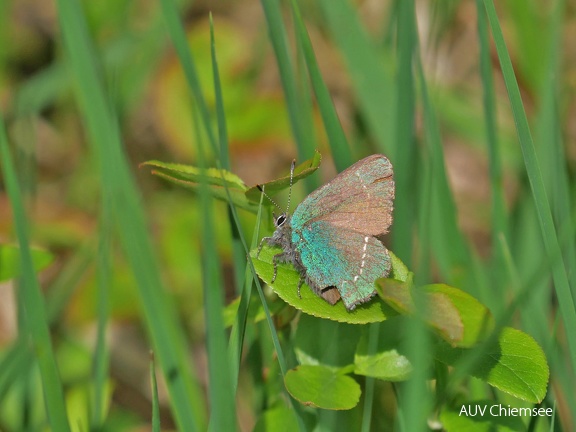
456 316
273 187
192 174
10 261
476 319
515 364
322 387
236 195
385 362
460 419
280 419
286 286
326 342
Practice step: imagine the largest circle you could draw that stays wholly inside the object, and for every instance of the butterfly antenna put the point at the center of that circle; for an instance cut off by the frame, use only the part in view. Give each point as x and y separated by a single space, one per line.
291 179
261 189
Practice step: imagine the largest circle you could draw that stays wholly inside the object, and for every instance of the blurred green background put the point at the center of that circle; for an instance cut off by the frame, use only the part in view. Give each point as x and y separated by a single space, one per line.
90 90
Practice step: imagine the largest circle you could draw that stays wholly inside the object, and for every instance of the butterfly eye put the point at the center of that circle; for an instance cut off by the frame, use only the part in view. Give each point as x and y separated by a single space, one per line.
281 219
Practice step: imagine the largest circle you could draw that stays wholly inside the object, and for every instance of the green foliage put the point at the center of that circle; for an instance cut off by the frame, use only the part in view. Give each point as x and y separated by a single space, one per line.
10 262
322 387
477 312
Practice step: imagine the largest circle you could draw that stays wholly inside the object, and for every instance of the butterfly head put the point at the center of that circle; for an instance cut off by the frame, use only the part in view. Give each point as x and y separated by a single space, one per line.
281 220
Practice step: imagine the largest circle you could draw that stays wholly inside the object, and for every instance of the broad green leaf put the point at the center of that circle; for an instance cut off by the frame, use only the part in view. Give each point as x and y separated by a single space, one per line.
475 416
280 419
272 187
322 387
515 364
286 286
476 318
385 363
456 316
10 261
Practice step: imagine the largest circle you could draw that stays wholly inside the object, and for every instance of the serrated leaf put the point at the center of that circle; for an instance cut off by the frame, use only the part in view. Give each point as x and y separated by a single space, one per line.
273 187
515 364
322 387
286 286
10 261
476 319
456 316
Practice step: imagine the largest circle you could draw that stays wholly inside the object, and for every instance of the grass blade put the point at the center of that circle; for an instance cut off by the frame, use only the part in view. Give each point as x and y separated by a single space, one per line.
405 176
118 186
336 137
278 38
371 79
36 320
549 234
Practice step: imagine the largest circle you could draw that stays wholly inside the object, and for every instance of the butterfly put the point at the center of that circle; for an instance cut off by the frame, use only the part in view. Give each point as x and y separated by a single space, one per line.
332 238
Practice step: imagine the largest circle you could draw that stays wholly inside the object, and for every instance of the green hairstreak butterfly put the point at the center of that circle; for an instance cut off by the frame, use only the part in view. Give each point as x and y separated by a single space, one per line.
332 238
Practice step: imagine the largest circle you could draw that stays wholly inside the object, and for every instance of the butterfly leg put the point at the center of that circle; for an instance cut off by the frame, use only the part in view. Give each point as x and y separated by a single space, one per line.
261 245
300 286
280 257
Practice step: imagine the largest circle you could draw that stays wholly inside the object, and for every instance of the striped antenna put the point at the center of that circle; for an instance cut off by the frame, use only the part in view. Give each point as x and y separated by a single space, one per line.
261 189
291 179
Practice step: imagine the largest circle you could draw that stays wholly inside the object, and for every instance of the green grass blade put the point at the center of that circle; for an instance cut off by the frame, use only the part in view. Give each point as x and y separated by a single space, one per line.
278 38
450 248
118 186
101 360
372 80
551 245
499 218
155 403
222 412
373 331
405 176
336 137
31 297
180 41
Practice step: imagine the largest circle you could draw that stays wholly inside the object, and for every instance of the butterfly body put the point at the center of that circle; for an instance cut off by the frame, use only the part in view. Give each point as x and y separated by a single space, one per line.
331 239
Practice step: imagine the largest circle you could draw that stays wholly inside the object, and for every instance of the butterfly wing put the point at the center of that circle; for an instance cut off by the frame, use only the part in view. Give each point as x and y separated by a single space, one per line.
342 258
333 230
360 198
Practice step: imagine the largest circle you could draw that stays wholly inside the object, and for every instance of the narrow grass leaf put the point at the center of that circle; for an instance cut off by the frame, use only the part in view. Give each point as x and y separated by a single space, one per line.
371 79
118 186
156 427
450 248
223 409
336 137
101 358
499 220
406 177
278 38
180 41
549 234
31 297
